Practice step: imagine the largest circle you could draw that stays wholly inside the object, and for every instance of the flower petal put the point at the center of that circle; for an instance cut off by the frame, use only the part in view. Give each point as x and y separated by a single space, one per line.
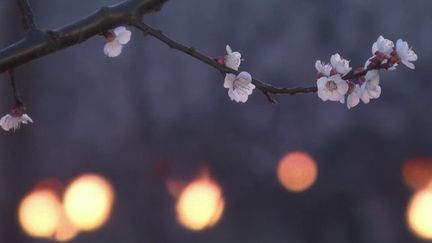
124 37
408 64
113 48
228 49
119 30
324 94
245 77
321 82
229 79
353 99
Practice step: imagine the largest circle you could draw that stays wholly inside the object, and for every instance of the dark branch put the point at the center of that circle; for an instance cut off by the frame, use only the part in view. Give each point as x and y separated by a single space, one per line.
41 43
16 95
356 74
26 14
265 88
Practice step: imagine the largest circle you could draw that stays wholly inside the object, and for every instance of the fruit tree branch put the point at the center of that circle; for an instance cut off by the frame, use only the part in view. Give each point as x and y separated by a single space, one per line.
265 88
26 14
40 43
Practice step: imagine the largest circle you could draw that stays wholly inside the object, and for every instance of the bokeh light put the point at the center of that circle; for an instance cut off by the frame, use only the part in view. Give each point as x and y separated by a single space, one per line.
297 171
39 213
417 172
200 204
88 202
419 213
65 230
174 187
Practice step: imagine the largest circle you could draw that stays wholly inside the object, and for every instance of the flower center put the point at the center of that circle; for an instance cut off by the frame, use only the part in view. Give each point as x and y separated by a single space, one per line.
17 111
109 36
331 85
395 58
236 84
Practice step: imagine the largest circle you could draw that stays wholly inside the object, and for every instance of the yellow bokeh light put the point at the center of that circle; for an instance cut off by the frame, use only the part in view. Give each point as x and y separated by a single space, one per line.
419 213
65 230
39 213
200 204
297 171
88 202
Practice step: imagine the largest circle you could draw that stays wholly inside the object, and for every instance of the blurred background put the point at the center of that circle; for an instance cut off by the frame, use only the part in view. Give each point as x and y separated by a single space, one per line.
147 147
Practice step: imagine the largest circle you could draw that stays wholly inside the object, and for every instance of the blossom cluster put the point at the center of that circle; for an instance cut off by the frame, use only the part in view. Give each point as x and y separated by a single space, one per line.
116 39
337 81
239 86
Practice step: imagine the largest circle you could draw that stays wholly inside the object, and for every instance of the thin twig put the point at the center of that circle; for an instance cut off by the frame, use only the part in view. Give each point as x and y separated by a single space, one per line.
15 91
26 15
265 88
41 43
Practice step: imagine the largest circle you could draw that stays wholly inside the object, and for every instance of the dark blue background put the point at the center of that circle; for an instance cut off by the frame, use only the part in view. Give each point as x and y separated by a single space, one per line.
120 116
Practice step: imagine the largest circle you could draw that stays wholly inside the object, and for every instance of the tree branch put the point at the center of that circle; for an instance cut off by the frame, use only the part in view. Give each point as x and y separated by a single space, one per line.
40 43
26 15
265 88
15 92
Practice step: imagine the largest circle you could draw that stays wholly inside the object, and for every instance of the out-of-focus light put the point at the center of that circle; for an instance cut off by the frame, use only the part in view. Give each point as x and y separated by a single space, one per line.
65 230
297 171
200 204
419 213
417 172
88 202
39 213
174 187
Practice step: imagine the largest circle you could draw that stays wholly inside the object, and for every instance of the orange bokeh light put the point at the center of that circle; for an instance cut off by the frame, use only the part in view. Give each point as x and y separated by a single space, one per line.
419 213
200 204
88 202
39 213
174 187
297 171
417 172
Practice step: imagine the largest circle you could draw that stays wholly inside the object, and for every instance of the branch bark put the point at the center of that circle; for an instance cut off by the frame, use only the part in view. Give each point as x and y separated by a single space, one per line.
26 15
39 43
265 88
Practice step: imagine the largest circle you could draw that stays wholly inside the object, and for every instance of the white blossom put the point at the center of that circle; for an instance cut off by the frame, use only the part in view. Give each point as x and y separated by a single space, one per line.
370 89
322 68
239 87
120 37
339 64
113 49
232 59
406 54
353 98
383 45
332 88
10 121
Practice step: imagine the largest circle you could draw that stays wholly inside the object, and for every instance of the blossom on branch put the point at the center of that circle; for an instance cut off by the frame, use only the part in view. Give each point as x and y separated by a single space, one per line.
354 94
383 46
232 59
337 79
116 39
323 69
330 84
332 88
370 89
14 119
405 53
239 87
340 65
388 56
